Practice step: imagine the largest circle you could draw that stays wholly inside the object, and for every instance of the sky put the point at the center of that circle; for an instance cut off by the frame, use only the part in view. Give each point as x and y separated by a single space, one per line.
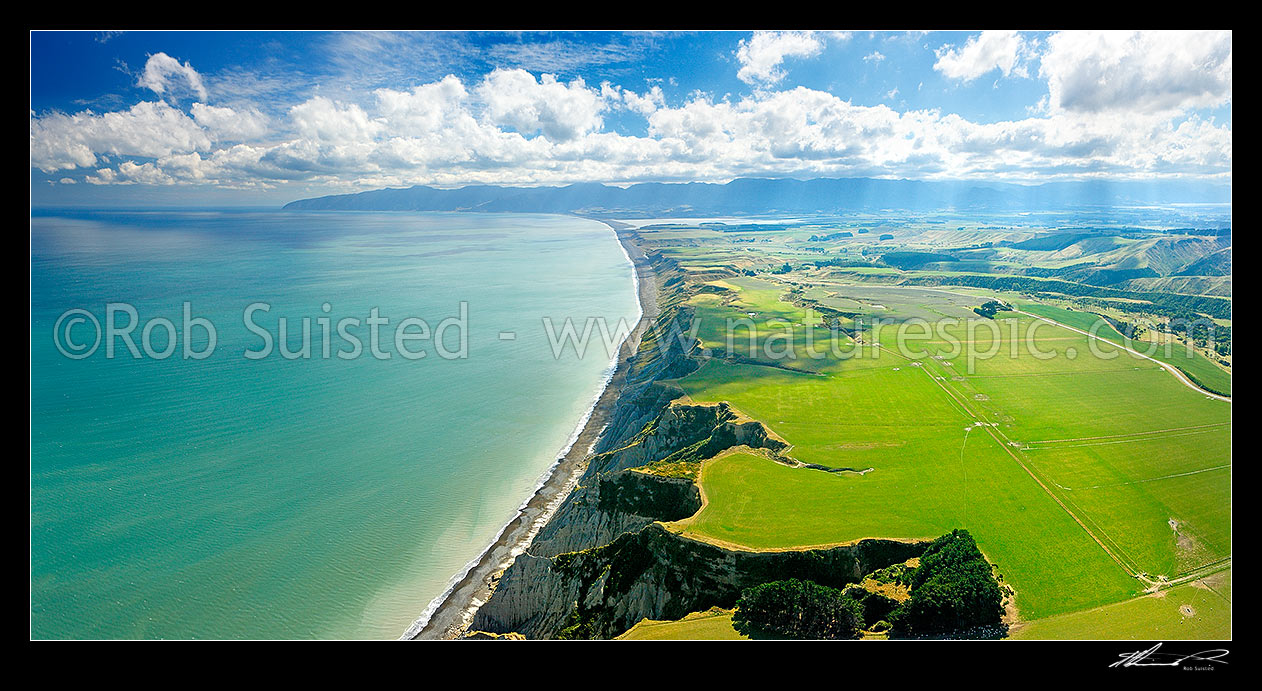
267 117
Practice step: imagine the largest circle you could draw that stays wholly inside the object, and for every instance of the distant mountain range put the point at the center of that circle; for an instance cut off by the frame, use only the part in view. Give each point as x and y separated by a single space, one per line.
761 196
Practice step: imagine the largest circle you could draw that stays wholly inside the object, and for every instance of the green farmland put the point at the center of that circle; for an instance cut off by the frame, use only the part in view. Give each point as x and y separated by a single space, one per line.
1096 482
1199 610
1193 364
1077 469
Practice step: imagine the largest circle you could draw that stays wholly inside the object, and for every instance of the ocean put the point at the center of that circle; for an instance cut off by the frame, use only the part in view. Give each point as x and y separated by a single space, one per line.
248 491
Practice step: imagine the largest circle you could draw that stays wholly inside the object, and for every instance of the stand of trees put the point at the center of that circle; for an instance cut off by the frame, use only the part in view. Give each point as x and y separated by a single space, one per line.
952 589
797 609
842 262
990 309
914 260
831 236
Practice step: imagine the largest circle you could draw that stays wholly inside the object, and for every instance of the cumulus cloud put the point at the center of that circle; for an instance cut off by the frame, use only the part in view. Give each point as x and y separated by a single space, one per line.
988 51
320 119
228 124
130 173
168 77
761 55
147 130
425 109
644 104
1152 72
513 127
560 111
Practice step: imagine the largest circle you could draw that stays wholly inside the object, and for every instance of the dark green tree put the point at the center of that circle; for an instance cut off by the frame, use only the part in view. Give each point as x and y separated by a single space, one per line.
797 609
953 589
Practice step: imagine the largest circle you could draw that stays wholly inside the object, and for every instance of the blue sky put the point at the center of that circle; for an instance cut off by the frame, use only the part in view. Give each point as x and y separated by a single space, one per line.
73 70
264 116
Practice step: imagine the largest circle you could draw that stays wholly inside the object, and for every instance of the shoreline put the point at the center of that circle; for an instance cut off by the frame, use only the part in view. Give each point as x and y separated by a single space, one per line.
449 615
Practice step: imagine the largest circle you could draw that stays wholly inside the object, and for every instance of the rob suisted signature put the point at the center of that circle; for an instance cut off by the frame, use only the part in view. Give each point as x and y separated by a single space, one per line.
1152 658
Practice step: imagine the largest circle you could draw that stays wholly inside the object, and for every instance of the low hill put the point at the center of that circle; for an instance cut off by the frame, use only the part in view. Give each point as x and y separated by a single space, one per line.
1216 264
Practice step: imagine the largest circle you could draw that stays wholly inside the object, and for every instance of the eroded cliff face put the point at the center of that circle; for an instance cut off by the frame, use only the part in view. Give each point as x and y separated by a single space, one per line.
602 562
650 496
655 574
688 431
613 498
661 354
613 504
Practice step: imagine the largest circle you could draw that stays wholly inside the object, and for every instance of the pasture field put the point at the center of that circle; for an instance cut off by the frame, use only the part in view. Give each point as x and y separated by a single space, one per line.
714 625
898 304
1074 472
1138 456
1152 481
749 320
755 502
1075 318
1195 365
1200 610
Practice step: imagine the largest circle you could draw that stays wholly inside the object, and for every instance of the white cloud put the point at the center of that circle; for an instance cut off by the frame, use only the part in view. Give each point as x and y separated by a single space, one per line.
425 109
565 55
645 105
104 176
130 173
512 127
166 76
320 119
874 56
1152 72
228 124
560 111
147 130
761 55
989 50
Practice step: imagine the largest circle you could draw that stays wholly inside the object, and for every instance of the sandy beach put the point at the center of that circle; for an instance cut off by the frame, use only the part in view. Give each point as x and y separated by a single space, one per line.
453 613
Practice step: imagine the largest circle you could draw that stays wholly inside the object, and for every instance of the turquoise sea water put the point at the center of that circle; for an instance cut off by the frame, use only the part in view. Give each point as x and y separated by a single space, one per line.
228 497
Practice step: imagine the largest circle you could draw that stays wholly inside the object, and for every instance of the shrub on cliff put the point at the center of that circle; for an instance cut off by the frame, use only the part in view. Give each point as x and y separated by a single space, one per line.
953 589
797 609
